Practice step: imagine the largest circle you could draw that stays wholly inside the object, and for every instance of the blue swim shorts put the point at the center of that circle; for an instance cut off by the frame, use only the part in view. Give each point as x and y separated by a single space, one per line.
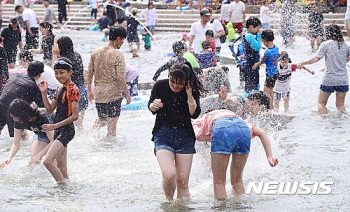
331 89
230 135
177 140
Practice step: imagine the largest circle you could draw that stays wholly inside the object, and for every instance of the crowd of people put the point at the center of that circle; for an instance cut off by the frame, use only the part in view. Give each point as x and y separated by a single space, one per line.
194 103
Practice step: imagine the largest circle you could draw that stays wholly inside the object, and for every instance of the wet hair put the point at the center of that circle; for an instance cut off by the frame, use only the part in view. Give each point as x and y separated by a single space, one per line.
178 46
181 73
210 33
26 55
225 69
22 110
117 32
252 21
18 7
261 97
149 4
35 68
134 11
46 25
65 44
206 44
268 35
66 64
104 13
333 32
0 39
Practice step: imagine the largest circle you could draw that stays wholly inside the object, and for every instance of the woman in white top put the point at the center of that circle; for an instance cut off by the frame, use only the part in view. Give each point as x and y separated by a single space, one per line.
150 15
335 78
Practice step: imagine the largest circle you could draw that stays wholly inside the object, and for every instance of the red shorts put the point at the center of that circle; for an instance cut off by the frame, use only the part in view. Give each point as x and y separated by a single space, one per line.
238 27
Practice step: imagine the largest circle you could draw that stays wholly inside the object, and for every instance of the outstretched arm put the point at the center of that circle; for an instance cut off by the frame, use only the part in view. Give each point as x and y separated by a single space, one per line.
266 144
14 148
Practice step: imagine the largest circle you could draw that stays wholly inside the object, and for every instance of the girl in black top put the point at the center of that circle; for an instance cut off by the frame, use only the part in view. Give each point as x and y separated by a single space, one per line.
12 38
46 43
316 26
175 101
29 117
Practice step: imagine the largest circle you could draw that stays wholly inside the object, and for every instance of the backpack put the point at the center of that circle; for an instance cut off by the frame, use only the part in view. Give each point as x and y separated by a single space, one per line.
224 36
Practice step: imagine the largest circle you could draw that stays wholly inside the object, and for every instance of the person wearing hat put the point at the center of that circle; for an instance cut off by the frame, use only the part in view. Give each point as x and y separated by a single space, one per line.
11 39
179 50
31 20
198 30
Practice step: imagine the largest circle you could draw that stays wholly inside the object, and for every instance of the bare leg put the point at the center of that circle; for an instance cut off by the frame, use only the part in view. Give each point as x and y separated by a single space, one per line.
62 163
312 43
340 101
219 163
322 102
269 92
49 162
191 8
237 166
319 38
138 46
286 104
276 105
130 46
37 146
167 166
183 163
112 127
79 122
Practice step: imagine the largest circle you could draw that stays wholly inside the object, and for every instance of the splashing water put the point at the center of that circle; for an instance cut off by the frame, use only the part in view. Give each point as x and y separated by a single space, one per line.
143 25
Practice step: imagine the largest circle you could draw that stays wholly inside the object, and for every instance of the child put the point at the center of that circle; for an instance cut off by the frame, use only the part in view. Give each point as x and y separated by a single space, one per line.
132 80
316 25
282 86
178 49
206 59
131 33
26 116
146 37
103 22
270 59
4 72
229 134
134 53
150 15
105 34
94 10
335 79
231 32
209 36
66 101
251 45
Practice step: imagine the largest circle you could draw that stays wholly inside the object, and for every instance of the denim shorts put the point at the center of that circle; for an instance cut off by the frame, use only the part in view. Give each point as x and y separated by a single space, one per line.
230 135
331 89
83 102
42 138
177 140
151 27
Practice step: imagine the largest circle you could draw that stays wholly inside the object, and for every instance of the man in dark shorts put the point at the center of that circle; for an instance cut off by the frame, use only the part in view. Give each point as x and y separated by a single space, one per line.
20 87
108 74
62 10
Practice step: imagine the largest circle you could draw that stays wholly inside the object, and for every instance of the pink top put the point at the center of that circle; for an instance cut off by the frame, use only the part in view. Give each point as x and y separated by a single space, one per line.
202 127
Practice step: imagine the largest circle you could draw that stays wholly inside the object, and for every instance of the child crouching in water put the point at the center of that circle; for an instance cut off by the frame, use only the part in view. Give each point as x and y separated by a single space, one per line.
229 134
66 101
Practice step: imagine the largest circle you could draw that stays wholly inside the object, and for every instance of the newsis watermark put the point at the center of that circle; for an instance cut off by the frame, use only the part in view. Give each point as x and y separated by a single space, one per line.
289 188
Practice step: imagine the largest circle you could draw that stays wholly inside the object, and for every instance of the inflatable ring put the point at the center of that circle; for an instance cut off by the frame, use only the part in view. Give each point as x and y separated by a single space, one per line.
183 8
137 103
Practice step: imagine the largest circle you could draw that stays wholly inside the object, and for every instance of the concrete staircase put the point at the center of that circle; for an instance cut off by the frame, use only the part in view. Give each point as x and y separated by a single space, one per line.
168 19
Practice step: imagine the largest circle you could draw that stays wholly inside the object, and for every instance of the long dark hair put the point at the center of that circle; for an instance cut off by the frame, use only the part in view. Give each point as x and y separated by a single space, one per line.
22 109
46 25
182 73
65 44
333 32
